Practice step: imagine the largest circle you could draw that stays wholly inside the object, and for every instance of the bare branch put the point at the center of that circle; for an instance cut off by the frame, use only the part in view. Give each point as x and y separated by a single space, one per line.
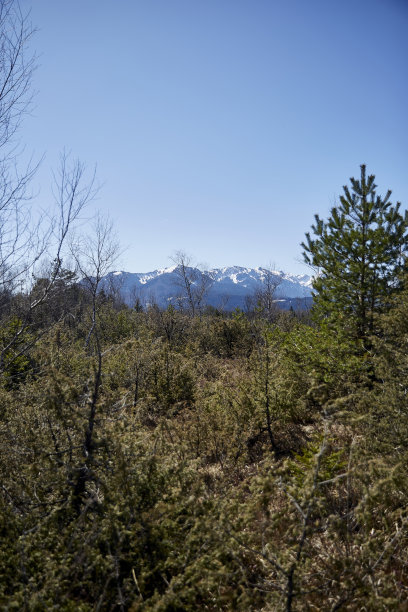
193 283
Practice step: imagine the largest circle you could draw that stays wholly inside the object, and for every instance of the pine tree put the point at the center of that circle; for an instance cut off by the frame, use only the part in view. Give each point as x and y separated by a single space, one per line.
358 254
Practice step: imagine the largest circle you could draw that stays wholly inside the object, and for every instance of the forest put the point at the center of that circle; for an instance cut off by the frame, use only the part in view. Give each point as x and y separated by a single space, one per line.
189 458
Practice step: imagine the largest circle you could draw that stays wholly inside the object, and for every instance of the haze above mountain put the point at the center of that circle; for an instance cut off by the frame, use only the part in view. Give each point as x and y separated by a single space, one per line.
229 287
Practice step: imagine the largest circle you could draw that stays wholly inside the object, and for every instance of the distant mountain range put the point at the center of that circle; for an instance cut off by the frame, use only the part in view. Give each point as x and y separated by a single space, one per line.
229 287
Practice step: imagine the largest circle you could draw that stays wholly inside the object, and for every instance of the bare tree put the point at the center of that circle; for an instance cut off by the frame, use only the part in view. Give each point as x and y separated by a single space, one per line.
193 283
95 256
72 193
23 242
265 294
16 69
17 65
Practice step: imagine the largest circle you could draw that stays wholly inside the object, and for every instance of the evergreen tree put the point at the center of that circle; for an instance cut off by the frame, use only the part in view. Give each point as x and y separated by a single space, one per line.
358 254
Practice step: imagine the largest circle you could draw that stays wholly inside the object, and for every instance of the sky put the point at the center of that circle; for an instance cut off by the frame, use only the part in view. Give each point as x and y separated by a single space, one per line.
220 127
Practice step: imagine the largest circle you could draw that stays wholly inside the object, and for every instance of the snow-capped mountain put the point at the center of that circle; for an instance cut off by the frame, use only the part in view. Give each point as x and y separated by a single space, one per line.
228 287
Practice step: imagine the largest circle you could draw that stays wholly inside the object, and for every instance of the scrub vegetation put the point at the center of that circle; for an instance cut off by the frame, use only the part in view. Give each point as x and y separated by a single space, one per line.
156 460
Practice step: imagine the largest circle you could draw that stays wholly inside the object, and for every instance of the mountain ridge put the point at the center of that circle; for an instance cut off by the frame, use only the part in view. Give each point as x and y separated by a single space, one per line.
230 285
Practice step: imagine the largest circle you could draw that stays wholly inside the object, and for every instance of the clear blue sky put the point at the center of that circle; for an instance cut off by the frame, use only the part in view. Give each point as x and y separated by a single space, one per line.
221 126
